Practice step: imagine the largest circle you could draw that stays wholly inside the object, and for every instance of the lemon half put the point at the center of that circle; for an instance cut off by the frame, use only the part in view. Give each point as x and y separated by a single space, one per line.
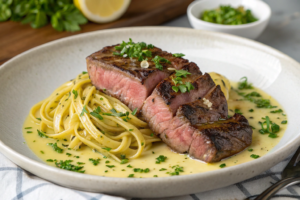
101 11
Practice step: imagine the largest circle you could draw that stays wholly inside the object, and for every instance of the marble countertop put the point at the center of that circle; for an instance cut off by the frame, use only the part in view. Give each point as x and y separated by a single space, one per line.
282 32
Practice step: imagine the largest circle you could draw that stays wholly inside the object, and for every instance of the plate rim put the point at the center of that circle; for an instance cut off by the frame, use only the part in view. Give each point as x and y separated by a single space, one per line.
291 145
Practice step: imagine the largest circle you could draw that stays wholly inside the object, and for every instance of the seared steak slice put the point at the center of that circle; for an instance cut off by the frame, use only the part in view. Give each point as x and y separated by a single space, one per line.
210 108
175 132
124 78
221 139
202 84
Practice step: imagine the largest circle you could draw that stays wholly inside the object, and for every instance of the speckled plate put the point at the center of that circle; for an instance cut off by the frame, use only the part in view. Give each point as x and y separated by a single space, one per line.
34 74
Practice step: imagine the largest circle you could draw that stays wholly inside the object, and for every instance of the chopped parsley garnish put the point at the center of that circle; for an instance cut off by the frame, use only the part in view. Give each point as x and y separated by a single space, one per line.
134 111
49 160
41 134
277 111
55 147
76 157
284 122
238 111
228 15
254 156
130 49
29 132
106 148
162 169
80 163
131 175
75 93
129 166
269 127
244 84
124 161
251 110
179 85
28 127
83 111
68 154
110 166
155 176
157 60
250 150
68 166
178 55
95 161
84 72
107 161
160 159
141 170
222 165
177 170
130 130
42 152
253 94
152 134
96 113
39 119
142 144
260 103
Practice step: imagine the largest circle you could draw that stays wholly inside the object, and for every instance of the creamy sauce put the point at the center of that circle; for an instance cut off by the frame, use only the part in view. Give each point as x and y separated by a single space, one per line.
261 144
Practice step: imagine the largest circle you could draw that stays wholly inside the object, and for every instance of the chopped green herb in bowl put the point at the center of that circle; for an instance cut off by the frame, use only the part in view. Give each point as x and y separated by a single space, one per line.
228 15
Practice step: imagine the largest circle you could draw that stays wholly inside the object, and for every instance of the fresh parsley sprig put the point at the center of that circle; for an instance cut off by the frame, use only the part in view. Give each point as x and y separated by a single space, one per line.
243 84
179 85
269 127
62 14
158 60
68 166
130 49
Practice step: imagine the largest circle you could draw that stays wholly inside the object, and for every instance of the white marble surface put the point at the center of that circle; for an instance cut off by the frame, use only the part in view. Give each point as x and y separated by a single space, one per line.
282 32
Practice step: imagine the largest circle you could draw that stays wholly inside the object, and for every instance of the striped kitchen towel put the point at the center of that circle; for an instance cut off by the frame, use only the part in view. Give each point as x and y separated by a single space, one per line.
17 184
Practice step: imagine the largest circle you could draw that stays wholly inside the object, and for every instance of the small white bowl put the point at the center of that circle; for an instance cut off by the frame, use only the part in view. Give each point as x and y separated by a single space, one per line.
260 10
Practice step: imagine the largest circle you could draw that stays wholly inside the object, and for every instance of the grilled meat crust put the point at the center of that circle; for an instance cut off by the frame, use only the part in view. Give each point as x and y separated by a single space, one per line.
223 138
198 112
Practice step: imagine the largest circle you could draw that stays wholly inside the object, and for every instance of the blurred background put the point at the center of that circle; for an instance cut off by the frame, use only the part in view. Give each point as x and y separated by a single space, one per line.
25 24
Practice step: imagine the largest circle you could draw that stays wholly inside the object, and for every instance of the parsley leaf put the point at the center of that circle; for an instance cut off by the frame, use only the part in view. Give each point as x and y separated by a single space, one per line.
254 156
41 134
83 111
75 93
106 148
160 159
244 84
67 166
55 147
178 55
222 165
134 111
95 161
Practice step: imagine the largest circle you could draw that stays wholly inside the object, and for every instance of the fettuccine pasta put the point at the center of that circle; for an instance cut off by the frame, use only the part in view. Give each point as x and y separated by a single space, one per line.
79 112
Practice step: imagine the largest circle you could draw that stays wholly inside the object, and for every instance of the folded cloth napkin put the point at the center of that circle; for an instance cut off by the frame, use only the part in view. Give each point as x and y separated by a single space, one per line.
16 184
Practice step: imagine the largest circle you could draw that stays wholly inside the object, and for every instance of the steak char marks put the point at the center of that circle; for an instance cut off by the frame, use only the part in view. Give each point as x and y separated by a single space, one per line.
193 122
123 78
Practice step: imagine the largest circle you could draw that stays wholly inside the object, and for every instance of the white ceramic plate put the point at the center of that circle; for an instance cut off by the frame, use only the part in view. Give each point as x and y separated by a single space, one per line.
33 75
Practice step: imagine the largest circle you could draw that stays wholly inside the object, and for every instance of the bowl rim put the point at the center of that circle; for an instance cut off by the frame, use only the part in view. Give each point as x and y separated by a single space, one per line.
14 155
224 26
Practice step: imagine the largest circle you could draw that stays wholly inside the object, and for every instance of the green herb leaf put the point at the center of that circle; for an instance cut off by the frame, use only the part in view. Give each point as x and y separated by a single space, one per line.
175 88
68 166
222 165
106 148
160 159
254 156
75 94
178 55
244 84
284 122
84 110
41 134
134 111
131 175
95 161
277 111
55 147
110 166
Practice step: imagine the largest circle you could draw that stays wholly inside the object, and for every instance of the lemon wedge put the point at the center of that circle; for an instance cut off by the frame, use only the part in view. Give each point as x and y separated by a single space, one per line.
101 11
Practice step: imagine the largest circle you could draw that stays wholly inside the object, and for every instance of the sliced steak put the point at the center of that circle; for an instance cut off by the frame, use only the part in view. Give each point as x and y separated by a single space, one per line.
221 139
210 108
202 85
123 77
